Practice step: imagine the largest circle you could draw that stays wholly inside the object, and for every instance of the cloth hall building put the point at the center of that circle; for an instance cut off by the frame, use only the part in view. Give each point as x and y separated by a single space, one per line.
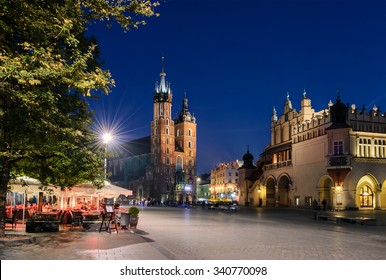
337 154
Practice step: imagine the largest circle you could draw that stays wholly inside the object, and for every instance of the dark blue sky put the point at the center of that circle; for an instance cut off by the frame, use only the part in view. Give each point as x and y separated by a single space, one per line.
237 59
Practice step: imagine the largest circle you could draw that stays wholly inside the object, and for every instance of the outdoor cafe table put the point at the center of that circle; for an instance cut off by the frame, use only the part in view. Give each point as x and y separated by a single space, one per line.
46 214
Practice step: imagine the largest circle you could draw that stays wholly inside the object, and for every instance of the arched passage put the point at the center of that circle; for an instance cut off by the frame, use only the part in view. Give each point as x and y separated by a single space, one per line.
366 197
325 190
283 187
270 192
367 192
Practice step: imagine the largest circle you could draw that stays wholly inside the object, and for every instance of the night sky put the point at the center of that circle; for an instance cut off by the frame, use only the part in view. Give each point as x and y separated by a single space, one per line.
236 60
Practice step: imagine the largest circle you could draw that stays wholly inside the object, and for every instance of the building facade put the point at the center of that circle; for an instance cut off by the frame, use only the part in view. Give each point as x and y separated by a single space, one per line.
337 154
224 181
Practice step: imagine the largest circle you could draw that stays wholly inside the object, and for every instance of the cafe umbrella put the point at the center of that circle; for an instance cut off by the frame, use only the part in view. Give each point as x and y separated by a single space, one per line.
27 185
90 190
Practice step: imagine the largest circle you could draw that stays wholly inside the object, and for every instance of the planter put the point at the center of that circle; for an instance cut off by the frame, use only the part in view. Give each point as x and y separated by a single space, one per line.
124 220
133 222
42 226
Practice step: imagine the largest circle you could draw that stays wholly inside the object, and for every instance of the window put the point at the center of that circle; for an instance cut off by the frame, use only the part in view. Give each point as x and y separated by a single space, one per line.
338 147
308 200
366 197
161 109
379 148
178 132
179 164
364 147
189 132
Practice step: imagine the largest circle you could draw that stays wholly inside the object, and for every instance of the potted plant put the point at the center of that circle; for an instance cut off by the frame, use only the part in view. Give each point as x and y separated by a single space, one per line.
133 211
42 224
116 205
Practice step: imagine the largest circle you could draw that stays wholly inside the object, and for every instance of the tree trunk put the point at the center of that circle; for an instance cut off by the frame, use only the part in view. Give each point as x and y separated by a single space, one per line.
4 173
40 202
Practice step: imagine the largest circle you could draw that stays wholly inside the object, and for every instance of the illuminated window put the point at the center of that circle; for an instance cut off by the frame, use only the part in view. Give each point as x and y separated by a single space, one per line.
364 148
366 197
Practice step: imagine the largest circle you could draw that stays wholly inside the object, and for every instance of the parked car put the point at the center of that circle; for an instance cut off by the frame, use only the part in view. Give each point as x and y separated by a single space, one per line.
229 207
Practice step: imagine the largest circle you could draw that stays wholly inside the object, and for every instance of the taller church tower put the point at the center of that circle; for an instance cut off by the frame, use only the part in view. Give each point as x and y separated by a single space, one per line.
162 140
173 148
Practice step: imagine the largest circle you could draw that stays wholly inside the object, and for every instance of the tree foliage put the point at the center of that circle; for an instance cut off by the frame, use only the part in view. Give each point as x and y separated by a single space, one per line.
48 67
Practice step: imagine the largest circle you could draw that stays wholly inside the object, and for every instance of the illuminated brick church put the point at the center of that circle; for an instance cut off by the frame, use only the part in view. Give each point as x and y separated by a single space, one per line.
163 166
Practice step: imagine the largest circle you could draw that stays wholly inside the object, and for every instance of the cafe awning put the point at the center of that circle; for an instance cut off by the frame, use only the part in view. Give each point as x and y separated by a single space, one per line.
30 185
109 190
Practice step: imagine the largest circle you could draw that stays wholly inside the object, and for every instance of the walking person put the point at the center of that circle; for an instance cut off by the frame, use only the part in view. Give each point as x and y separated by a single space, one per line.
315 208
324 203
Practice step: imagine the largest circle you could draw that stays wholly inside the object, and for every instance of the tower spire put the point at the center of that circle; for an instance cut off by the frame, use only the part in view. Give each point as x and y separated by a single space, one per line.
162 85
163 64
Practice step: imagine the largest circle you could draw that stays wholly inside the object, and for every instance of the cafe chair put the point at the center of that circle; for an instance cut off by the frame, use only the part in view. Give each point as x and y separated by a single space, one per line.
76 219
12 220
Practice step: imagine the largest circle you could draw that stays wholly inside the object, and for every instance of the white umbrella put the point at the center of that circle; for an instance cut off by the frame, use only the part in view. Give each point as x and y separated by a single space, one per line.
108 191
27 185
113 191
31 185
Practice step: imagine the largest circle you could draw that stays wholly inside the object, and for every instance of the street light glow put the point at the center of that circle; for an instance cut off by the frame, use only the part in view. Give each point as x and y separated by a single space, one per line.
107 137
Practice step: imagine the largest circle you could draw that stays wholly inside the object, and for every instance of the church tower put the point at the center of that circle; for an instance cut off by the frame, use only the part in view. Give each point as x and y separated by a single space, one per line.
162 140
185 154
172 172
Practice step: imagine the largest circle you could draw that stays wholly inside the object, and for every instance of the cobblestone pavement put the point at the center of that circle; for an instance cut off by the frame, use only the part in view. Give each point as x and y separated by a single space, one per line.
198 234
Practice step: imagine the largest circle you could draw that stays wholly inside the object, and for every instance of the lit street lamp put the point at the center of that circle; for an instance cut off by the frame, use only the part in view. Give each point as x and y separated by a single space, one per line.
107 137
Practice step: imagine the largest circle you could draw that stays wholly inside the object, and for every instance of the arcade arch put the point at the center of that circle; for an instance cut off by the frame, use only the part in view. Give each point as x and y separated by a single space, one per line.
367 192
325 187
270 184
283 189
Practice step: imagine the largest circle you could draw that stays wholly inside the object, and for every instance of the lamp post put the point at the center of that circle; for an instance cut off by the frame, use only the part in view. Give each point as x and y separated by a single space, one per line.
106 139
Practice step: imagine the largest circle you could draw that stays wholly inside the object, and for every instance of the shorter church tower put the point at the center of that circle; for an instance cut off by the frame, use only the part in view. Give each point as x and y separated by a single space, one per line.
185 154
